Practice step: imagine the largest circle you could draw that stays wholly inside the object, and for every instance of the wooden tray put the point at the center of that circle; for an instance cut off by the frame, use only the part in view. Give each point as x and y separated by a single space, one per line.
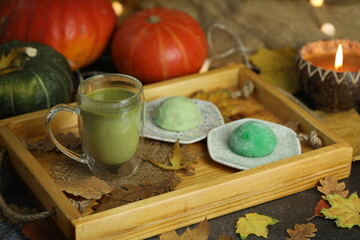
213 191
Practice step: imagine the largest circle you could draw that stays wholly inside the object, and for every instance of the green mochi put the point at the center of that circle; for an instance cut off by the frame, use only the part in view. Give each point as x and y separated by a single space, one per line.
177 114
253 139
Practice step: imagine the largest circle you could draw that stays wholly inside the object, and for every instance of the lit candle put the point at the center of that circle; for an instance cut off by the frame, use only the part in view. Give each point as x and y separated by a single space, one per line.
339 61
329 74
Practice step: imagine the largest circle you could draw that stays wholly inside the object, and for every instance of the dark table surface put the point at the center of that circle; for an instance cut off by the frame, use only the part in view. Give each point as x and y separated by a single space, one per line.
290 210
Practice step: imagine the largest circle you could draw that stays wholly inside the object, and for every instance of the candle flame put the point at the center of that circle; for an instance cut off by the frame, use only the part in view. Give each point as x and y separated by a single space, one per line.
316 3
339 57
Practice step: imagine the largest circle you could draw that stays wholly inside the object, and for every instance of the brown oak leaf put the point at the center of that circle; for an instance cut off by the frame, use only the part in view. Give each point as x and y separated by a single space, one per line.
132 193
69 140
302 231
81 205
201 232
89 188
330 185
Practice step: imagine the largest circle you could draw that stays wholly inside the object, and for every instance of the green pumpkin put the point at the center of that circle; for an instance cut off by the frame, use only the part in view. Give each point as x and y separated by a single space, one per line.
33 76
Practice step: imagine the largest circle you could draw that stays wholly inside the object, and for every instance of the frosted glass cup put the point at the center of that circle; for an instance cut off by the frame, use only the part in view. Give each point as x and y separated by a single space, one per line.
110 110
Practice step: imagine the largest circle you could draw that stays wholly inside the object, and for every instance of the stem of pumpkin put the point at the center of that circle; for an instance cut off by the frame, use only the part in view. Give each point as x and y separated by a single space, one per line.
15 60
154 19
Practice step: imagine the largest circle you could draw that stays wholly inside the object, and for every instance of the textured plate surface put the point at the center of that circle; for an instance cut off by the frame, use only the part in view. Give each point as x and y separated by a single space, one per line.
211 118
218 145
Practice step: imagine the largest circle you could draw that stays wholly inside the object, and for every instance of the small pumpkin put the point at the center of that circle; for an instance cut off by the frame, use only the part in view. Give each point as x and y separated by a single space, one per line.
33 76
79 29
159 43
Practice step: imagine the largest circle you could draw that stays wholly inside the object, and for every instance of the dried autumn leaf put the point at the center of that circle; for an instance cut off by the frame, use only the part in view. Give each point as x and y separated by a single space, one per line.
278 67
302 232
346 211
5 60
89 188
221 99
254 223
132 193
320 206
345 124
69 140
12 61
293 125
176 160
82 204
201 232
330 185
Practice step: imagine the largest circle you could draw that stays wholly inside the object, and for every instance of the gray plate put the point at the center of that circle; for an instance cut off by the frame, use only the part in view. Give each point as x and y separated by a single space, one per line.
288 145
210 118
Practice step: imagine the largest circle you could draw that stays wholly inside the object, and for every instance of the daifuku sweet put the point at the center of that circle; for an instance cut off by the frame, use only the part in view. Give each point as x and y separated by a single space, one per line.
177 114
253 139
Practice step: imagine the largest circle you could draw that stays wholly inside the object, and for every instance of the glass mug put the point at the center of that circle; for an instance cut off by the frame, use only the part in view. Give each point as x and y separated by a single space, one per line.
110 110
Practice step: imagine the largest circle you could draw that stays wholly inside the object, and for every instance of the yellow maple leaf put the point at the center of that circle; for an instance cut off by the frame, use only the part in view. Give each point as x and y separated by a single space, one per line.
278 67
346 211
176 160
254 223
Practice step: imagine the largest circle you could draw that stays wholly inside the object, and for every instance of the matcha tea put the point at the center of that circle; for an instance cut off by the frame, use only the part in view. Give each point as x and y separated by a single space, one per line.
111 136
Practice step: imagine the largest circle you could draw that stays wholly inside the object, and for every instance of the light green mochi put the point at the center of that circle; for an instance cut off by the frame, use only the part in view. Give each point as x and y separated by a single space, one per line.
177 114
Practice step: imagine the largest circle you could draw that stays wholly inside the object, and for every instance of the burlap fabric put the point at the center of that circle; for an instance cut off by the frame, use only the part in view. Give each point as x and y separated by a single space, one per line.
69 170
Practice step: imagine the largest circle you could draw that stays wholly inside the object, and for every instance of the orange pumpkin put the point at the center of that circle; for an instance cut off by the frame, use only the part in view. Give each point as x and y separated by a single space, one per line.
79 29
159 43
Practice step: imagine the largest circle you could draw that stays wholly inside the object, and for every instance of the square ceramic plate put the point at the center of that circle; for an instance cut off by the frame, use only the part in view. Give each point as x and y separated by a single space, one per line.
211 118
288 145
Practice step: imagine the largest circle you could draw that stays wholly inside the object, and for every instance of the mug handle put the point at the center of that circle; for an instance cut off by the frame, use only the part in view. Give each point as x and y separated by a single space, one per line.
49 116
